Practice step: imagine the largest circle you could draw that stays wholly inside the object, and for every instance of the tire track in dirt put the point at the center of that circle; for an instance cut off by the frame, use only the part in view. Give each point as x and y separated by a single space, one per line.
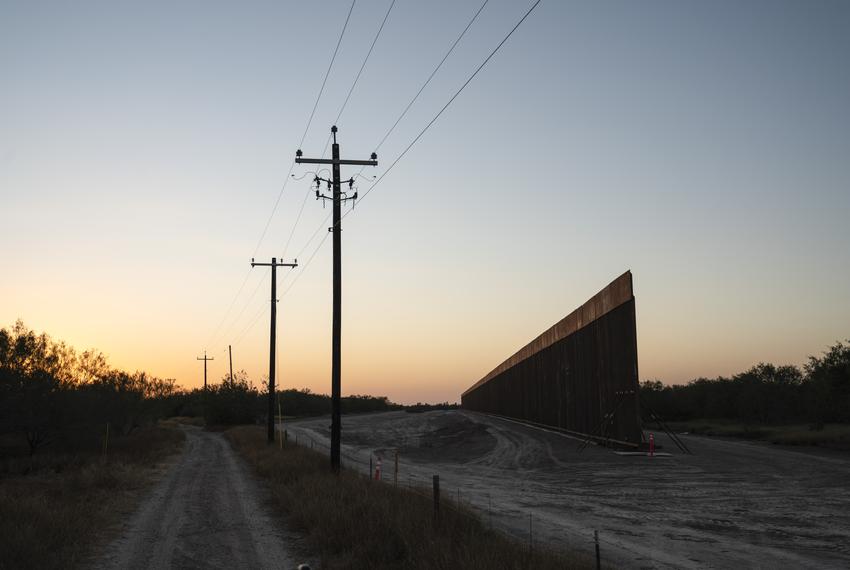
206 512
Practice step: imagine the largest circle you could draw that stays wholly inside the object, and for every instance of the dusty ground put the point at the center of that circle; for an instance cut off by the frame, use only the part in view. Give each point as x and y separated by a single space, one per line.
732 504
205 512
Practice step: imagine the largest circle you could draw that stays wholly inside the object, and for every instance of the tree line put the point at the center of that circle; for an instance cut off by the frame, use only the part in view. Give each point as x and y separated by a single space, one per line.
52 394
816 393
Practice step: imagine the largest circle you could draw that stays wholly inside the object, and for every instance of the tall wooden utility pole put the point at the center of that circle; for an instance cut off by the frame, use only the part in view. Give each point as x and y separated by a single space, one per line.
230 354
205 359
274 265
337 198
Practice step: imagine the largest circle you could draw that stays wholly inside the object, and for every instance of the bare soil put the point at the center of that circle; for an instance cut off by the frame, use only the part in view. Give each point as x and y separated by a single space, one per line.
733 504
207 511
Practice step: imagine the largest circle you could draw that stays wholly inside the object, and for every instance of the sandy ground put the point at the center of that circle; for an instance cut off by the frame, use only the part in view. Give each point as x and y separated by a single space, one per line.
206 512
732 504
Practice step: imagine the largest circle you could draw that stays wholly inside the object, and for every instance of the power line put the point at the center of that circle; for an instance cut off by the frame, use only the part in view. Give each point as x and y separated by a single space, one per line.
339 115
422 132
430 77
363 65
246 305
446 106
297 219
392 128
327 73
289 174
251 325
305 266
230 308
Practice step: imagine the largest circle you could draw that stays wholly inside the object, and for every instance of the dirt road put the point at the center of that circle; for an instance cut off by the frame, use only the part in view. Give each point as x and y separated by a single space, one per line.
206 512
732 504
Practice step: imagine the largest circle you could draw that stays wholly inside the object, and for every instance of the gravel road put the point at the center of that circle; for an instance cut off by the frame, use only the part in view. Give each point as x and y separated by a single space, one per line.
206 512
733 504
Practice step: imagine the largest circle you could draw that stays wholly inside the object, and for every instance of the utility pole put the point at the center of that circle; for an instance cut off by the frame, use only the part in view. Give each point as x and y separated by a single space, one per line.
205 359
230 354
274 265
337 198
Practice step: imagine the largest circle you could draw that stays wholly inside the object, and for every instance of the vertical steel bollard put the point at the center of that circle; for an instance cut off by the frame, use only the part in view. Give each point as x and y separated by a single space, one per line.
436 498
596 540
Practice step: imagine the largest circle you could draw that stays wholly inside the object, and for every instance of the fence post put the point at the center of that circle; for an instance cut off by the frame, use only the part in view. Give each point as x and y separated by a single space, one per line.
490 510
395 474
436 498
370 467
106 442
596 540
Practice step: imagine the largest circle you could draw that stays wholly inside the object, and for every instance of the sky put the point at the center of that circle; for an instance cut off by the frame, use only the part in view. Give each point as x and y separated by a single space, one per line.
705 146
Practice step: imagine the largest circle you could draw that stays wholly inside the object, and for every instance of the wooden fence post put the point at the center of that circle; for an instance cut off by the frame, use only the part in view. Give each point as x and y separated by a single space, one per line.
106 442
596 540
436 498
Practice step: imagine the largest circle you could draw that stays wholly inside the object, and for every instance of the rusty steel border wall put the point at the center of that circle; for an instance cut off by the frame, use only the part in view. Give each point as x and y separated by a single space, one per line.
575 374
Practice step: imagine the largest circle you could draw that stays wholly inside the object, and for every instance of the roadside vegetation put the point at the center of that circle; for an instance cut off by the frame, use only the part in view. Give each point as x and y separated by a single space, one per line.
353 522
53 512
780 404
62 482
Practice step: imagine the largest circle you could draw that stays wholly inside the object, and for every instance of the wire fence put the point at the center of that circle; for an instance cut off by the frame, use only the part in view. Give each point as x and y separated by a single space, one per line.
384 468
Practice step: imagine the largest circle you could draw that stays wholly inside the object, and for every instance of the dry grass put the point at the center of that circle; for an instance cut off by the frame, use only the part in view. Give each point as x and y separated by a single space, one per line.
183 420
356 523
53 514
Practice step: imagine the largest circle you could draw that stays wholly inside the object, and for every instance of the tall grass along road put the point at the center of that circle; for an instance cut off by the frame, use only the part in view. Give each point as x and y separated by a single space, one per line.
207 511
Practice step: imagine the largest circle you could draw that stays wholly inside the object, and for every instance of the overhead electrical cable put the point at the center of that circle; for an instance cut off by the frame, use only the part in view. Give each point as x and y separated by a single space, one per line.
365 59
433 73
339 114
397 121
306 265
446 106
229 308
327 73
439 113
289 174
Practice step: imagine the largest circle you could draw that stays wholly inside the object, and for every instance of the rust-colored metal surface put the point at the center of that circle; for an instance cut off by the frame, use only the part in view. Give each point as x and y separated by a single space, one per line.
579 376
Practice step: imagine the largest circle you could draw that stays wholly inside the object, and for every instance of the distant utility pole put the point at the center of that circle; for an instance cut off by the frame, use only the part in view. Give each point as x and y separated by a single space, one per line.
274 265
230 354
337 198
205 359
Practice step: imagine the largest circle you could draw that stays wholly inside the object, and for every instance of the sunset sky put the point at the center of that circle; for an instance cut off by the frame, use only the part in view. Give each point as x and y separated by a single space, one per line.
705 146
